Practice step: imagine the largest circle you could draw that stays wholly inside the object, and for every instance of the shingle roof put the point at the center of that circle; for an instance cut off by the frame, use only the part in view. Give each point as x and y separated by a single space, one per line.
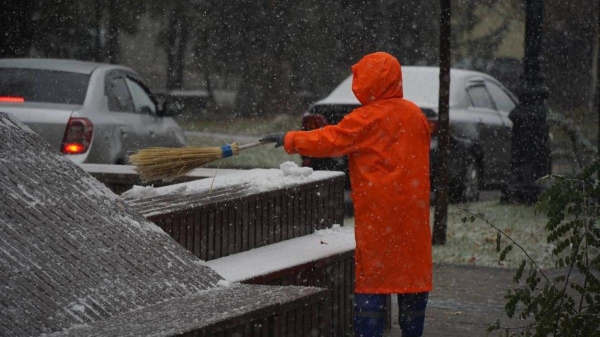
73 255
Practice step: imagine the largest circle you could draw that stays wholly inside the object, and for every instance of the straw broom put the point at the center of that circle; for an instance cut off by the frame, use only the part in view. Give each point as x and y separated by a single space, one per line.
167 163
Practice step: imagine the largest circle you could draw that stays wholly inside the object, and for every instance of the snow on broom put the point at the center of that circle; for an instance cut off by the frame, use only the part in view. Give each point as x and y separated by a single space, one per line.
165 163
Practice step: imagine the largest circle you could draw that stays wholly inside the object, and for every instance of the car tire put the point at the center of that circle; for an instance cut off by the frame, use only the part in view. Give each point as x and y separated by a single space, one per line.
466 187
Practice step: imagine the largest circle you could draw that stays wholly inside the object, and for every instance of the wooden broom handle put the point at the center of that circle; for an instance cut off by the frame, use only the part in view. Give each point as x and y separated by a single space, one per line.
251 145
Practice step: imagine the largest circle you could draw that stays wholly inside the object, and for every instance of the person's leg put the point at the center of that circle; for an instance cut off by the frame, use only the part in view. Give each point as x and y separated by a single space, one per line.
411 315
369 315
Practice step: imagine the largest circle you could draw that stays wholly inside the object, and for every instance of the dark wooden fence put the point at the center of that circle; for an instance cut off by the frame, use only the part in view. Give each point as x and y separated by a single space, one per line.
335 273
298 317
229 220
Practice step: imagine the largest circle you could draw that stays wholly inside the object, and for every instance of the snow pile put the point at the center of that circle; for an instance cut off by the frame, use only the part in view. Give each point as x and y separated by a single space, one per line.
289 168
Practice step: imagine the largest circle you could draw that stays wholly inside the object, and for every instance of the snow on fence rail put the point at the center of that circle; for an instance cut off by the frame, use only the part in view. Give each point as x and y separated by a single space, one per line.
324 259
120 178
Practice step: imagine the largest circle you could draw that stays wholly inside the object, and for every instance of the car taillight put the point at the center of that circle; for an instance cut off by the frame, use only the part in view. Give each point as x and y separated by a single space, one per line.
78 136
313 121
433 126
11 99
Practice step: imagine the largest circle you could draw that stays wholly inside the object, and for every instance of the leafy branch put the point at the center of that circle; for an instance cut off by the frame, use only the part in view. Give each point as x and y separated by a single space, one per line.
567 304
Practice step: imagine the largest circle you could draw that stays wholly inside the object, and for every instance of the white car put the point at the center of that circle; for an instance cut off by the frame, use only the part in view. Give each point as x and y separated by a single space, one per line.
91 112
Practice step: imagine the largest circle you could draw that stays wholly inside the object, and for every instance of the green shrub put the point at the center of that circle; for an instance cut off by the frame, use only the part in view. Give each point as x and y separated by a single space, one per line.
565 303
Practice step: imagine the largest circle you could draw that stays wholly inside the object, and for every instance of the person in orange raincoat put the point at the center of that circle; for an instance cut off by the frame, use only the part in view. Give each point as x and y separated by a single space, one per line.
387 144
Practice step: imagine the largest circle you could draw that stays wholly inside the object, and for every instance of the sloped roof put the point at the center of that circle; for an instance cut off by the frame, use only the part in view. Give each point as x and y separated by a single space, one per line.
74 256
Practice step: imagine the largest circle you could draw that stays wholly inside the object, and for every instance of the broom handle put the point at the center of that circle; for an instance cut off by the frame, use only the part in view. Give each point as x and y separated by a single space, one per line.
251 145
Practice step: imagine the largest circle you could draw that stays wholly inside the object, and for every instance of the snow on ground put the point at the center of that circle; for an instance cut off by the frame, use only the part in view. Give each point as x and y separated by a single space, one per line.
474 243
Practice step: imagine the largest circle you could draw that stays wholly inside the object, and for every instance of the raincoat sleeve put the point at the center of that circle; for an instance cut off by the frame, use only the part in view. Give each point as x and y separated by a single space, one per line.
333 140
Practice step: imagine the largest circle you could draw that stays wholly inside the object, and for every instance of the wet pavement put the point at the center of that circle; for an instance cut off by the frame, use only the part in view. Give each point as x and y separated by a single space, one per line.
466 300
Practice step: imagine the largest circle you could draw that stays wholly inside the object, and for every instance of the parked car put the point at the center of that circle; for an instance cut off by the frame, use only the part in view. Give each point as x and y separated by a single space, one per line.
480 130
91 112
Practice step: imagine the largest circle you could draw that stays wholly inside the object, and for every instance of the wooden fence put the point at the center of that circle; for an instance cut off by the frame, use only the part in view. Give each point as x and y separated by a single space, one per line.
230 221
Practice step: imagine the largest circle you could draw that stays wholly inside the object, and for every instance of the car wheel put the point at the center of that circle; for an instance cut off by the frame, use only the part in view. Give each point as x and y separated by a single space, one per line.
466 187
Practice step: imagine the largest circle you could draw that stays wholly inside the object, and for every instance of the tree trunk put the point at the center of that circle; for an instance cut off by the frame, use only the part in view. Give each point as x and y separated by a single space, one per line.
113 44
16 27
177 38
98 40
440 223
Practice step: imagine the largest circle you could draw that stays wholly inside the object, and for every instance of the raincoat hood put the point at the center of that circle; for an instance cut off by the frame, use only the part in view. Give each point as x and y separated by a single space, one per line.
377 76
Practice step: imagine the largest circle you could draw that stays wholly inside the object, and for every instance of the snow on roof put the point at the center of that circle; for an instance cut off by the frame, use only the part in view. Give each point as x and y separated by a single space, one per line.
76 260
225 307
286 254
73 253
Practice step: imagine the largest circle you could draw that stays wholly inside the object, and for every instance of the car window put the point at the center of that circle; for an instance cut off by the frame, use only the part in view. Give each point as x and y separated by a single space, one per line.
141 99
46 86
118 96
501 98
479 97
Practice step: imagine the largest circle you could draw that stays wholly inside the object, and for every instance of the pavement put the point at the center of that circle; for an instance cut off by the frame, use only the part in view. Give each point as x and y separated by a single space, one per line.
465 301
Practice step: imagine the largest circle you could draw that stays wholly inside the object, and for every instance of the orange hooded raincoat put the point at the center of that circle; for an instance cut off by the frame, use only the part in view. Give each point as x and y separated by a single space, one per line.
387 143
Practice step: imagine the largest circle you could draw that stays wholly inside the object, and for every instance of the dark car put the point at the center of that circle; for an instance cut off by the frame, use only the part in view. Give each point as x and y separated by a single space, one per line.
480 130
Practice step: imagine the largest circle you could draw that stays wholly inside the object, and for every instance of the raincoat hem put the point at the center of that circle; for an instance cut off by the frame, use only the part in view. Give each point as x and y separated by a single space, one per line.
384 291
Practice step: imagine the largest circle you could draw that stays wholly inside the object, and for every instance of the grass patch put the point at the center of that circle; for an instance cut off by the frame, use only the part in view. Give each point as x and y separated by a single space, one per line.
475 242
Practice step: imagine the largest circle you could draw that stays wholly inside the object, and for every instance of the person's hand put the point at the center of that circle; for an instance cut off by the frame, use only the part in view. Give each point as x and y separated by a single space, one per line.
276 138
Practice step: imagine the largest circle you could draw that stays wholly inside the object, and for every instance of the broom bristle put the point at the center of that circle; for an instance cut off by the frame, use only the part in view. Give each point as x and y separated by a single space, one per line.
166 163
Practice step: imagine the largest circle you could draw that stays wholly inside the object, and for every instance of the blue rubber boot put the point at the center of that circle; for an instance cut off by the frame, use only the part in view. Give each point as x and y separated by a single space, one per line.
411 317
369 315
